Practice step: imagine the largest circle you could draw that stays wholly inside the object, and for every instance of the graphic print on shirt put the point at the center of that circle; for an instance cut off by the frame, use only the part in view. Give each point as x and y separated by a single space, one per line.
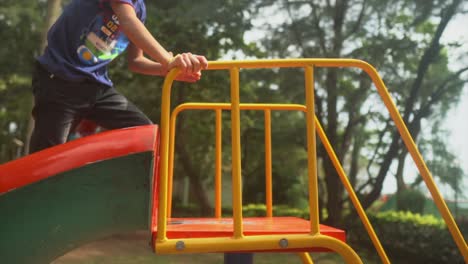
102 40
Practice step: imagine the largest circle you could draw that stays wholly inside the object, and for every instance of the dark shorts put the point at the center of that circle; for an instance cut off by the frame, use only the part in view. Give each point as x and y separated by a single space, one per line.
59 105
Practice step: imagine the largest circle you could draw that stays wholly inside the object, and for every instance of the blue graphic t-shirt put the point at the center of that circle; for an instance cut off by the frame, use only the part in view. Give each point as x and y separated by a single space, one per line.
85 39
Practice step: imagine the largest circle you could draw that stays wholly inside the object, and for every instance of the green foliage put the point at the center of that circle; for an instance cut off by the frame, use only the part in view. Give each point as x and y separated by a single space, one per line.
391 35
407 217
397 38
254 210
408 238
20 30
443 163
249 210
411 200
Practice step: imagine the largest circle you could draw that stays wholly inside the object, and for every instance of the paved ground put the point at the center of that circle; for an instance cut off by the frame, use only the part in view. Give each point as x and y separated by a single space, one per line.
135 249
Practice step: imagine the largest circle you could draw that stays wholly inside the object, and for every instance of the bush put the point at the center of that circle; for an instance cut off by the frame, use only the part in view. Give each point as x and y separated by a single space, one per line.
411 200
252 210
409 238
405 236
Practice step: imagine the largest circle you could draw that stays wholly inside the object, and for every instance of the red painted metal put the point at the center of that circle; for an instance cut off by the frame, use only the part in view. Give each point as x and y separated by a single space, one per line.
74 154
179 228
214 227
155 193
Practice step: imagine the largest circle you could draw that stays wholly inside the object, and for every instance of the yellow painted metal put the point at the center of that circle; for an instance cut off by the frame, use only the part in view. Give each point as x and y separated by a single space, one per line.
296 107
218 163
251 243
324 139
352 195
164 158
311 150
243 106
305 257
268 173
418 160
218 107
236 154
258 243
288 63
170 172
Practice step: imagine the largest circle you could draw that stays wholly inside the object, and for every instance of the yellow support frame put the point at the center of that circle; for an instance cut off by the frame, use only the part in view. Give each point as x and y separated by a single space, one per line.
240 242
267 108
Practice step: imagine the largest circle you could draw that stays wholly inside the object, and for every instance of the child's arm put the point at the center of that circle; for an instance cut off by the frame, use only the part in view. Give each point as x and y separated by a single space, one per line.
140 64
142 39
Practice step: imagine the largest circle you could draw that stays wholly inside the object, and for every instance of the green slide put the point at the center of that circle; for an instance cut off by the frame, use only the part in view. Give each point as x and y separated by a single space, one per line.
60 198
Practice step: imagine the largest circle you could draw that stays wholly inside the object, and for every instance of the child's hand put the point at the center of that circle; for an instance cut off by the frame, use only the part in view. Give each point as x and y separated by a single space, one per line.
189 64
191 78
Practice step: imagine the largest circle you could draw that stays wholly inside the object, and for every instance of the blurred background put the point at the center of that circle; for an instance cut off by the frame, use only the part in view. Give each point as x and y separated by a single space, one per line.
419 47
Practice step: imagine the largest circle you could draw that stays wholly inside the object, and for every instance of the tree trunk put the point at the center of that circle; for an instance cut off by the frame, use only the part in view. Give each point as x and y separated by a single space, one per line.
196 186
400 171
186 160
334 186
426 60
332 181
53 11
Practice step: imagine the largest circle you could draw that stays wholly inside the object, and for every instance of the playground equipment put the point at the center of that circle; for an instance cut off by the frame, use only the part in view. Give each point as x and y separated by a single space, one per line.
120 181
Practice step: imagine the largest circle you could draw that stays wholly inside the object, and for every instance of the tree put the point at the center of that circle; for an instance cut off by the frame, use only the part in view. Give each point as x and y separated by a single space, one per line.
402 41
53 11
20 28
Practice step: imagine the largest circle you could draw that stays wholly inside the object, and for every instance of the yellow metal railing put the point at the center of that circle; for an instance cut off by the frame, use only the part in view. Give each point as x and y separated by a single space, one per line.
218 108
267 108
240 242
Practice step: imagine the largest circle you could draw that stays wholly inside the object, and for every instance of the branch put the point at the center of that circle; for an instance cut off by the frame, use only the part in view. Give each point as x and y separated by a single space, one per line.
358 23
379 144
338 23
436 95
363 186
316 22
423 67
349 131
295 30
428 56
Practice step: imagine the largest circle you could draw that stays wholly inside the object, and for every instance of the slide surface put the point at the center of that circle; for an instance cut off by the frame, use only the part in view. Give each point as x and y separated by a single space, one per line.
60 198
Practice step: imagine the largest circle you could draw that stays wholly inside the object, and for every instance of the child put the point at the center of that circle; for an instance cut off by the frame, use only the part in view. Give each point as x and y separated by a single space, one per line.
71 82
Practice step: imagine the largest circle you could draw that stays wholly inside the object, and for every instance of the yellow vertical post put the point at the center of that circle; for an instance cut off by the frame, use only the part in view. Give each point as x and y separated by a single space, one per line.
170 162
268 180
218 163
305 257
236 154
163 175
311 150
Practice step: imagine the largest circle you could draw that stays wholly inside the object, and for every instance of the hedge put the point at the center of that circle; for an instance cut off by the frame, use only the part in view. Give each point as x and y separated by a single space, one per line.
405 236
409 238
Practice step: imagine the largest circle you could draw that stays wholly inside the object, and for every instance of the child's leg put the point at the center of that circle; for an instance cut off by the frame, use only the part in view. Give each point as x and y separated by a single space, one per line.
57 104
51 127
112 110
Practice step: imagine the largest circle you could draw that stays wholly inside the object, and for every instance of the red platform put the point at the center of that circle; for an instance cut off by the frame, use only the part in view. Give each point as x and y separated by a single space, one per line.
179 228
